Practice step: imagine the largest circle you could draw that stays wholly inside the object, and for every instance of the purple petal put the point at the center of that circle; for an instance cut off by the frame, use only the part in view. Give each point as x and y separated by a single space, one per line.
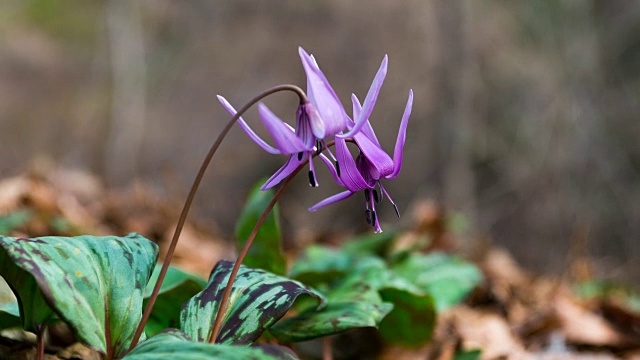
322 96
377 157
332 169
286 140
330 200
369 101
366 126
315 121
402 134
349 174
266 147
290 166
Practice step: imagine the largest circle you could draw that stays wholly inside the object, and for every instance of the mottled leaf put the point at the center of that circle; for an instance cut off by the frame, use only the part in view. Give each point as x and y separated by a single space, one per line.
353 303
332 319
94 284
174 344
258 299
266 251
447 278
34 311
177 287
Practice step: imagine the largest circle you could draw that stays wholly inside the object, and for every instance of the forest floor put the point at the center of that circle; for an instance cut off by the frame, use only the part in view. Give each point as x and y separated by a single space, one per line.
513 314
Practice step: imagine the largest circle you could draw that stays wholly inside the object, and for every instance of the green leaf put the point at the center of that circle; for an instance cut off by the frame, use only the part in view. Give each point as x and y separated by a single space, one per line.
447 278
334 318
258 299
412 320
174 344
353 303
9 315
94 284
266 251
371 244
13 220
468 355
320 264
177 287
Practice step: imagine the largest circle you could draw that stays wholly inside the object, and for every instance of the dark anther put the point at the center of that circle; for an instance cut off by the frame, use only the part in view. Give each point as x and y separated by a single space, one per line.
300 155
375 196
367 213
319 146
338 168
312 180
366 195
396 209
373 218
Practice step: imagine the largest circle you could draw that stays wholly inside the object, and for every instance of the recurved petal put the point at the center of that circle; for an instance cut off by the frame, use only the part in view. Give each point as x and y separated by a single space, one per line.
402 134
370 100
286 140
332 169
366 126
331 199
283 172
323 97
243 124
381 162
349 174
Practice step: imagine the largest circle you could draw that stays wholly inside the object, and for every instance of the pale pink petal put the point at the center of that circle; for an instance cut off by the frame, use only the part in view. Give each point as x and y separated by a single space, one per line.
266 147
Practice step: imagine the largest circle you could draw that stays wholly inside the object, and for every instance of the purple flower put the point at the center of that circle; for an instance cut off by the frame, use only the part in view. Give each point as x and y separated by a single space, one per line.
322 117
370 166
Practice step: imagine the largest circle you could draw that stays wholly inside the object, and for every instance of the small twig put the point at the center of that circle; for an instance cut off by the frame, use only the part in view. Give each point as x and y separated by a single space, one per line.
192 193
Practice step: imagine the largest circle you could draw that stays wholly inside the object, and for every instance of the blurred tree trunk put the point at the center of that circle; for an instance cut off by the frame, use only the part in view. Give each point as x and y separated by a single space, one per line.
458 112
128 111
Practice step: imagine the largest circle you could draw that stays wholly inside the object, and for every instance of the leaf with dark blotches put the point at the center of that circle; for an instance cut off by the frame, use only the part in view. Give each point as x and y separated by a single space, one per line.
354 302
370 295
258 299
177 287
175 344
94 284
266 250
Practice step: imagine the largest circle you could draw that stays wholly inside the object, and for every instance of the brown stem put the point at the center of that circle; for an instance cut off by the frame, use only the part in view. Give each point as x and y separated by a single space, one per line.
326 348
243 253
245 249
40 342
192 193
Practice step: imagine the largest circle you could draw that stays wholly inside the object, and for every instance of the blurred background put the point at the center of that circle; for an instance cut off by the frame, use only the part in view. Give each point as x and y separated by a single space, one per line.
524 128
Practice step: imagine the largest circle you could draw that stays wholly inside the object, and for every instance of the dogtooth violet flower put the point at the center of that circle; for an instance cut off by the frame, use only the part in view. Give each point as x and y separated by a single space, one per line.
321 117
370 166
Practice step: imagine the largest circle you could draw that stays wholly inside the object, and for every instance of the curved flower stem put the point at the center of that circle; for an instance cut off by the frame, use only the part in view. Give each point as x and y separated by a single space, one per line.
243 253
245 249
192 193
